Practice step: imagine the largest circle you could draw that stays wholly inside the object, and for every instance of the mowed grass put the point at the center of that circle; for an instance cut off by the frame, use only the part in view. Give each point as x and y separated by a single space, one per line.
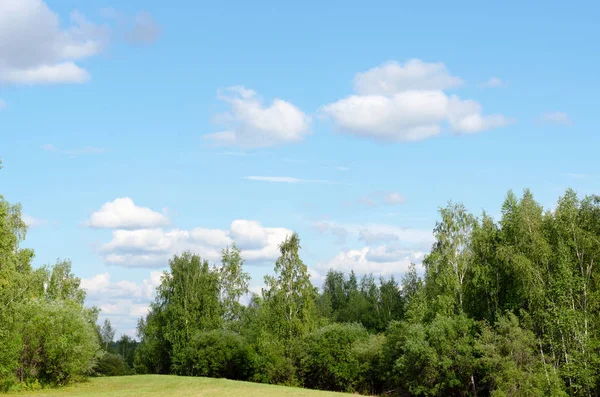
177 386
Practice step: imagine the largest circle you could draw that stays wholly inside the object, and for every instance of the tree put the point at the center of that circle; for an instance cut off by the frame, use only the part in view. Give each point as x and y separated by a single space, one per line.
107 333
289 296
448 264
233 284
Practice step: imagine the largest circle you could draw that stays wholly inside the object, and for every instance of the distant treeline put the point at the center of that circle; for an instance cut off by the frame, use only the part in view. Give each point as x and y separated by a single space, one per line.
503 308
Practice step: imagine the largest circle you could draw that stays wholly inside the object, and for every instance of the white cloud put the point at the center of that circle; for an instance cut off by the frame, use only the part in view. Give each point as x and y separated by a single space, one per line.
287 179
395 102
123 301
100 286
380 261
494 82
154 247
32 222
122 213
35 49
555 118
393 77
2 104
251 124
145 29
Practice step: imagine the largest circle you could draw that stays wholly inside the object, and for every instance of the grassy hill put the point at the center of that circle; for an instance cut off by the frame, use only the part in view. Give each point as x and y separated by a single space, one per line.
163 385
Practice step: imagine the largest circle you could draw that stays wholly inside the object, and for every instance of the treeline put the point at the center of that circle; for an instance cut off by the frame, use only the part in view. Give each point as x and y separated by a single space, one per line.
504 308
47 335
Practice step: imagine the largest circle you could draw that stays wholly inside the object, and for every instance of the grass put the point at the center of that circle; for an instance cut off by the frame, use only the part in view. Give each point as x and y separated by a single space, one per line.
168 385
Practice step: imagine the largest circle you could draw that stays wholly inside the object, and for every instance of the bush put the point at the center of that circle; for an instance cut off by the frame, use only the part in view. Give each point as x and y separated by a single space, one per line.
270 364
112 365
59 343
327 360
219 354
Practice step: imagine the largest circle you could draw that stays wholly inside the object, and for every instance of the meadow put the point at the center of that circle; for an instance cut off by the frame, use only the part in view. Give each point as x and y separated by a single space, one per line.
171 385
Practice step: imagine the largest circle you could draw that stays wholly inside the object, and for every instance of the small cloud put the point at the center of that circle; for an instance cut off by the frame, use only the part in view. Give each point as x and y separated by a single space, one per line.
2 104
560 118
145 29
341 168
286 179
251 123
494 82
122 213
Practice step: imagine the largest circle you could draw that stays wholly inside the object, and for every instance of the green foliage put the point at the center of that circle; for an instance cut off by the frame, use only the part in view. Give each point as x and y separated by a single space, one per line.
219 354
289 298
327 359
47 336
112 365
432 359
512 364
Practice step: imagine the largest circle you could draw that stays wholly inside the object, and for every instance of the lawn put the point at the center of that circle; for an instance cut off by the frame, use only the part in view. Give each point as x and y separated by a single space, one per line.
163 385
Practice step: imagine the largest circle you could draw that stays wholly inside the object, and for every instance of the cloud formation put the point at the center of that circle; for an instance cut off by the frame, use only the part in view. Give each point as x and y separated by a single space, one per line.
36 49
122 213
406 102
251 124
153 247
380 261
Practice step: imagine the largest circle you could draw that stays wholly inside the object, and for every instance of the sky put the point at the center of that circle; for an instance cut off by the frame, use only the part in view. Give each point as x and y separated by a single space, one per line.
132 131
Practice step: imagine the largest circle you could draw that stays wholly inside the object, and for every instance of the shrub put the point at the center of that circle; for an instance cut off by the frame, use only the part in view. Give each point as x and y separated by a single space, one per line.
219 354
112 365
327 360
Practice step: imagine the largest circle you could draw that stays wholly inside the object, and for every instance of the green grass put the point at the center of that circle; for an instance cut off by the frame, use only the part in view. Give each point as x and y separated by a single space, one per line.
163 385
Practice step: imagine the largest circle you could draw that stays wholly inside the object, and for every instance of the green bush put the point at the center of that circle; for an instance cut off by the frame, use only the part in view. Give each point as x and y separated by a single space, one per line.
327 360
112 365
219 354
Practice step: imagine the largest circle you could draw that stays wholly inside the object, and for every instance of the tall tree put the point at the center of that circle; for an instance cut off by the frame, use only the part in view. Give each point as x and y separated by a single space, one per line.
448 264
289 294
234 285
107 333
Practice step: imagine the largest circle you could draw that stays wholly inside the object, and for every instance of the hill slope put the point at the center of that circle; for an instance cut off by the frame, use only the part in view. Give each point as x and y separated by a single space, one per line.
163 385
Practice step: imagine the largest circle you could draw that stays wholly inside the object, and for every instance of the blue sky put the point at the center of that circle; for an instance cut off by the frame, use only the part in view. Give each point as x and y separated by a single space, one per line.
130 132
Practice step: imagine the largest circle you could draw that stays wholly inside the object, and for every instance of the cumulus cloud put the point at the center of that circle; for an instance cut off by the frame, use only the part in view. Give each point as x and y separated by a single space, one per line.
380 261
154 247
560 118
123 301
394 198
36 49
407 102
252 124
122 213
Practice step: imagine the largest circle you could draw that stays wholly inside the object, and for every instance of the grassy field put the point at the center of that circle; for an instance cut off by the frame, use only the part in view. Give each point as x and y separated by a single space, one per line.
162 385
